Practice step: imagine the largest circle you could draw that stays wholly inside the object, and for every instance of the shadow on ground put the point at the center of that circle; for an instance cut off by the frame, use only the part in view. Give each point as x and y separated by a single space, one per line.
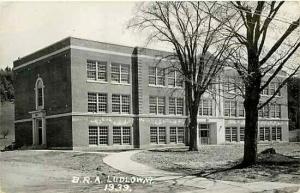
269 167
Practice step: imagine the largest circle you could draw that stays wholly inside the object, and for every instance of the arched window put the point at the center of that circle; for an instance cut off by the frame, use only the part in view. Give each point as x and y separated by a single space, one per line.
39 94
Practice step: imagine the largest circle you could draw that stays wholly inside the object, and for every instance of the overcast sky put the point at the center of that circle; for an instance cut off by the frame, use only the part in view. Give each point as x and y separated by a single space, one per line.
28 26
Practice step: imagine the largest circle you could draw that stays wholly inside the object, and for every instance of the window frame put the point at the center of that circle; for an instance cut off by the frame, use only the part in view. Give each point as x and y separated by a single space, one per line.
229 111
175 80
122 135
230 134
157 76
156 105
96 70
120 104
39 94
175 134
98 102
119 73
97 135
158 137
209 107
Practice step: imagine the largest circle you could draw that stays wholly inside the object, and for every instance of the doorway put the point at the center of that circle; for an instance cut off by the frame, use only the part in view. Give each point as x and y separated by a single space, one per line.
39 132
204 134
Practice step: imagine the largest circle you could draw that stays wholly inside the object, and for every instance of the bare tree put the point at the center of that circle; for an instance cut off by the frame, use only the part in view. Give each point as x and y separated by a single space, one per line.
201 46
4 132
264 51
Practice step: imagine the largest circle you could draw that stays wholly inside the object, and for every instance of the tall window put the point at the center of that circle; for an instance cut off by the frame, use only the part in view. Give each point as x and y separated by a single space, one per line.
242 133
231 134
230 108
265 111
272 88
175 106
97 102
158 135
121 103
39 94
205 107
272 110
120 73
174 79
241 109
98 135
264 134
177 134
230 85
278 111
277 86
157 105
156 76
97 70
40 97
276 133
121 135
266 89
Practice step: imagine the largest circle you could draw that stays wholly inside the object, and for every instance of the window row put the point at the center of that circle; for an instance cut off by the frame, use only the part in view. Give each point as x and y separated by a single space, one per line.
265 133
97 103
97 70
233 109
158 135
231 134
270 133
98 135
271 89
233 85
157 105
270 111
157 77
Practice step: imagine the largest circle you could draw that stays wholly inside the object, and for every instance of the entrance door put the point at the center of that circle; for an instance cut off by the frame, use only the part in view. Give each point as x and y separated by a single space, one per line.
40 136
204 134
40 131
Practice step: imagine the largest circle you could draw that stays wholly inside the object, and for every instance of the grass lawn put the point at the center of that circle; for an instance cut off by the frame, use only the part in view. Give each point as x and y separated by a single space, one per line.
215 161
85 164
5 142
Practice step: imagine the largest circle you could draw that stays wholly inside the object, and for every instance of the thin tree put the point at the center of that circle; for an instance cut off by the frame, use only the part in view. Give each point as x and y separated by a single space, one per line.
201 45
4 132
266 45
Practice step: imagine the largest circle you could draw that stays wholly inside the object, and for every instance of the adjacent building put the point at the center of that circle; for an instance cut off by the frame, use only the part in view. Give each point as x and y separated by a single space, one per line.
80 93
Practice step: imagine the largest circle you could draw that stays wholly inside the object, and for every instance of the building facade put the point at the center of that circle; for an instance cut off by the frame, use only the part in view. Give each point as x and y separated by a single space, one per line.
84 94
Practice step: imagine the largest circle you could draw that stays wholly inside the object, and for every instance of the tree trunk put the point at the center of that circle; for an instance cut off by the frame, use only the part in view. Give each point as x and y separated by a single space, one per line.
250 147
252 96
194 145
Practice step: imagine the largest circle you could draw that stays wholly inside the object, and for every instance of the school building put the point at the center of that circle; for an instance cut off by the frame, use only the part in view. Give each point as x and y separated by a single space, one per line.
80 93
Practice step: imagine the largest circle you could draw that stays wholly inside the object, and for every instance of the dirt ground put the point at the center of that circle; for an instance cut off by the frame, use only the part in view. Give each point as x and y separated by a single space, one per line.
50 172
216 162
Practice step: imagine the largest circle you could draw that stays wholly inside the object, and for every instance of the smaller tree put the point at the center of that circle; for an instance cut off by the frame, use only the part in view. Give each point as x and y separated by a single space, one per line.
4 132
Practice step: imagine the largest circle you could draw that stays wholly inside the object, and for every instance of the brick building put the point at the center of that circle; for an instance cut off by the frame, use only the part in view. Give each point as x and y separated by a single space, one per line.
81 94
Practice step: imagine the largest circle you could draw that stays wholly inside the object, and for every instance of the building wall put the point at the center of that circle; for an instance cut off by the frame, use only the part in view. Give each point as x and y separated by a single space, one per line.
59 132
52 65
81 123
56 76
23 133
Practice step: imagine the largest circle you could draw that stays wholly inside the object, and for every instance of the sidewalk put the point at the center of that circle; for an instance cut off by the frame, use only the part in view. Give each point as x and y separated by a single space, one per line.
121 161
